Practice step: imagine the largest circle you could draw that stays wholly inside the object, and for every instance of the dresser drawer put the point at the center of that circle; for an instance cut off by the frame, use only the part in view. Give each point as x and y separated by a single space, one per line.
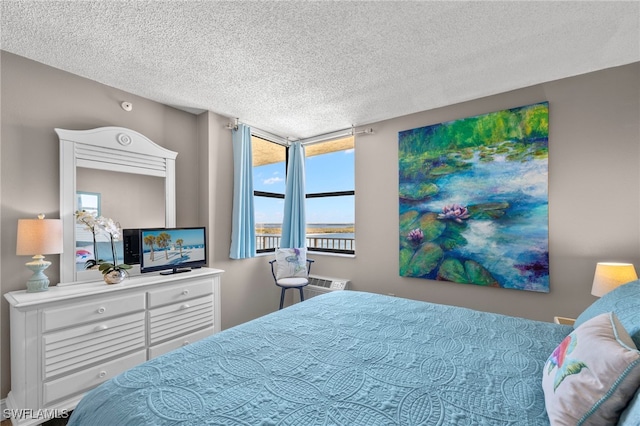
95 310
181 318
178 293
181 341
89 378
79 347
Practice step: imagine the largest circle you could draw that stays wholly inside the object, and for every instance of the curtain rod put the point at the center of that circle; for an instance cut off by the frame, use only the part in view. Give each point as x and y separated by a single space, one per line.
327 136
260 133
351 131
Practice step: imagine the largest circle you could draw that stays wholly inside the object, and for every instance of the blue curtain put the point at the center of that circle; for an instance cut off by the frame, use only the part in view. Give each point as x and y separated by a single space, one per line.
243 231
294 234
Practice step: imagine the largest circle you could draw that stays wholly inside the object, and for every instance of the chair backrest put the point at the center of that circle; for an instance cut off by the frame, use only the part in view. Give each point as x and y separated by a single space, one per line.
290 262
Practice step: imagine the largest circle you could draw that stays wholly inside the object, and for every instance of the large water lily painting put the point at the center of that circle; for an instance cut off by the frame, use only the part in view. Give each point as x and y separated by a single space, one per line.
474 200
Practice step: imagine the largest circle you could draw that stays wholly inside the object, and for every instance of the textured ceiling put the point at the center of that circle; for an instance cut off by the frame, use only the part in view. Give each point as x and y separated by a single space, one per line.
299 69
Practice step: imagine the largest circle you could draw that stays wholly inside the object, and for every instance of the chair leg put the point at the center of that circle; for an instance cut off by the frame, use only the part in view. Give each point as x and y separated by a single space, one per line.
301 294
282 297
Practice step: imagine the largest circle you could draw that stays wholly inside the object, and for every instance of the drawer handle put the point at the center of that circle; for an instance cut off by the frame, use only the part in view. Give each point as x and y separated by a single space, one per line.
102 374
185 306
185 292
185 343
101 327
102 310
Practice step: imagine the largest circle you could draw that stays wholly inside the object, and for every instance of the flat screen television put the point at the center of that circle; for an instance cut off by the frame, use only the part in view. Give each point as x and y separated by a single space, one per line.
172 250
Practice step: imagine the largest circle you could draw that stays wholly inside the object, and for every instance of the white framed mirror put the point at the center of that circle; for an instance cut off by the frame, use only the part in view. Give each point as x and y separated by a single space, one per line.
110 155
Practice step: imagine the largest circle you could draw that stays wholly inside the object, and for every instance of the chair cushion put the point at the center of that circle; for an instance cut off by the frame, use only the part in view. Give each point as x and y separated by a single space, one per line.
293 282
291 262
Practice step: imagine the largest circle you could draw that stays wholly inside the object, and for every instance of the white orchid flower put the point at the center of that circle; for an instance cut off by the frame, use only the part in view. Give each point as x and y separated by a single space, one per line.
87 219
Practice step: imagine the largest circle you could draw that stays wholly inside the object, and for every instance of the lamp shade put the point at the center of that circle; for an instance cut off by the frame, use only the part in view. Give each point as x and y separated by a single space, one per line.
610 275
39 236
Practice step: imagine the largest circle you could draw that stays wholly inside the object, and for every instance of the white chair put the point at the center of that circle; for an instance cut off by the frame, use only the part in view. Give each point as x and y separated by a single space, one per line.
290 269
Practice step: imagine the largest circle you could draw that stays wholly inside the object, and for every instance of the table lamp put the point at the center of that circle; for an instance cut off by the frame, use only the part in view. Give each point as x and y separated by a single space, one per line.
610 275
38 237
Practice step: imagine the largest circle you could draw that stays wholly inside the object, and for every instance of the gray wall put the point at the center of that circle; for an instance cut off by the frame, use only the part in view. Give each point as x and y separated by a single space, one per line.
35 100
594 203
594 148
594 187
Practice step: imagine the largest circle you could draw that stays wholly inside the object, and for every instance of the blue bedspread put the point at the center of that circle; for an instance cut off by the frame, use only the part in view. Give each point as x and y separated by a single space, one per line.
344 358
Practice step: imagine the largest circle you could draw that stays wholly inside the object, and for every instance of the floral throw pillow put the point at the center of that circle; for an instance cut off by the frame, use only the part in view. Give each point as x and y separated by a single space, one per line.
592 375
292 262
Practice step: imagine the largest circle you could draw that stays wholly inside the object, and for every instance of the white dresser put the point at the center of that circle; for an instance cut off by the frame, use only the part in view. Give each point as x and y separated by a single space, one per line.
69 339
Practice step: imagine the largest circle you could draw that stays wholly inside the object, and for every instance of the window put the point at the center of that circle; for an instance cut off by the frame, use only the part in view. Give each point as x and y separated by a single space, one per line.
269 177
330 183
330 186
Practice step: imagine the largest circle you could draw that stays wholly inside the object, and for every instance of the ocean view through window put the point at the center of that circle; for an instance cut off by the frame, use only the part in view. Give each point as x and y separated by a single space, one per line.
330 237
330 195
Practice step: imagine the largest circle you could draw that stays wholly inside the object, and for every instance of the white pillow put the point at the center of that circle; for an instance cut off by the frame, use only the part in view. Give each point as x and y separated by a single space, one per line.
291 262
592 375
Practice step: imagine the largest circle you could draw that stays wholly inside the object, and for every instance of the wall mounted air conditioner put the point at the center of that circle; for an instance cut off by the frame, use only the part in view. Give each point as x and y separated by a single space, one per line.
319 285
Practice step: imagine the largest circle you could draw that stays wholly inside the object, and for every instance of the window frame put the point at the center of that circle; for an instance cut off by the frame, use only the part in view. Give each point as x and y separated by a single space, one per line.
268 194
332 194
278 195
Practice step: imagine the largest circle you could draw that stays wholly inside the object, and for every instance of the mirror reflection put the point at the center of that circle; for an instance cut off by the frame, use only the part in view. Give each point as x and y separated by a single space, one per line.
132 200
135 178
89 202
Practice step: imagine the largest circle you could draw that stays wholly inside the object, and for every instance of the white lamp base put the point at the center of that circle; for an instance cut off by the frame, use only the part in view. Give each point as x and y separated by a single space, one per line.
38 281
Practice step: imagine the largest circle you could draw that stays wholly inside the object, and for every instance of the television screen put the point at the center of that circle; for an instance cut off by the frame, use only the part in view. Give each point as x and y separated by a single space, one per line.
172 250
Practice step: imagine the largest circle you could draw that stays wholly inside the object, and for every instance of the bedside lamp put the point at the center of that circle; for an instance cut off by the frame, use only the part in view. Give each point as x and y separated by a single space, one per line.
611 275
37 237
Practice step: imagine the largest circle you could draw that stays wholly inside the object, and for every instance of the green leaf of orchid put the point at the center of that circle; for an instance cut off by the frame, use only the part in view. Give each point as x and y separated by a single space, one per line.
105 267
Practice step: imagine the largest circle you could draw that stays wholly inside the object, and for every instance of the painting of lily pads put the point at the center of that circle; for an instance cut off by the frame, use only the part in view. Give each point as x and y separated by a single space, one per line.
473 199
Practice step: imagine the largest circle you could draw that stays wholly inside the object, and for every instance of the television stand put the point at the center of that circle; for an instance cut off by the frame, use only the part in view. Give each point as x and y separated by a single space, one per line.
175 271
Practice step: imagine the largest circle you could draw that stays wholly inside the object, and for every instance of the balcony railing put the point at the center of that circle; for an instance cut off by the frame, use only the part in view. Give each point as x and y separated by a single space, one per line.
266 242
330 244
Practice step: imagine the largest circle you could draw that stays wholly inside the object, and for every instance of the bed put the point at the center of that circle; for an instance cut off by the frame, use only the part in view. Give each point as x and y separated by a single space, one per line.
344 358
